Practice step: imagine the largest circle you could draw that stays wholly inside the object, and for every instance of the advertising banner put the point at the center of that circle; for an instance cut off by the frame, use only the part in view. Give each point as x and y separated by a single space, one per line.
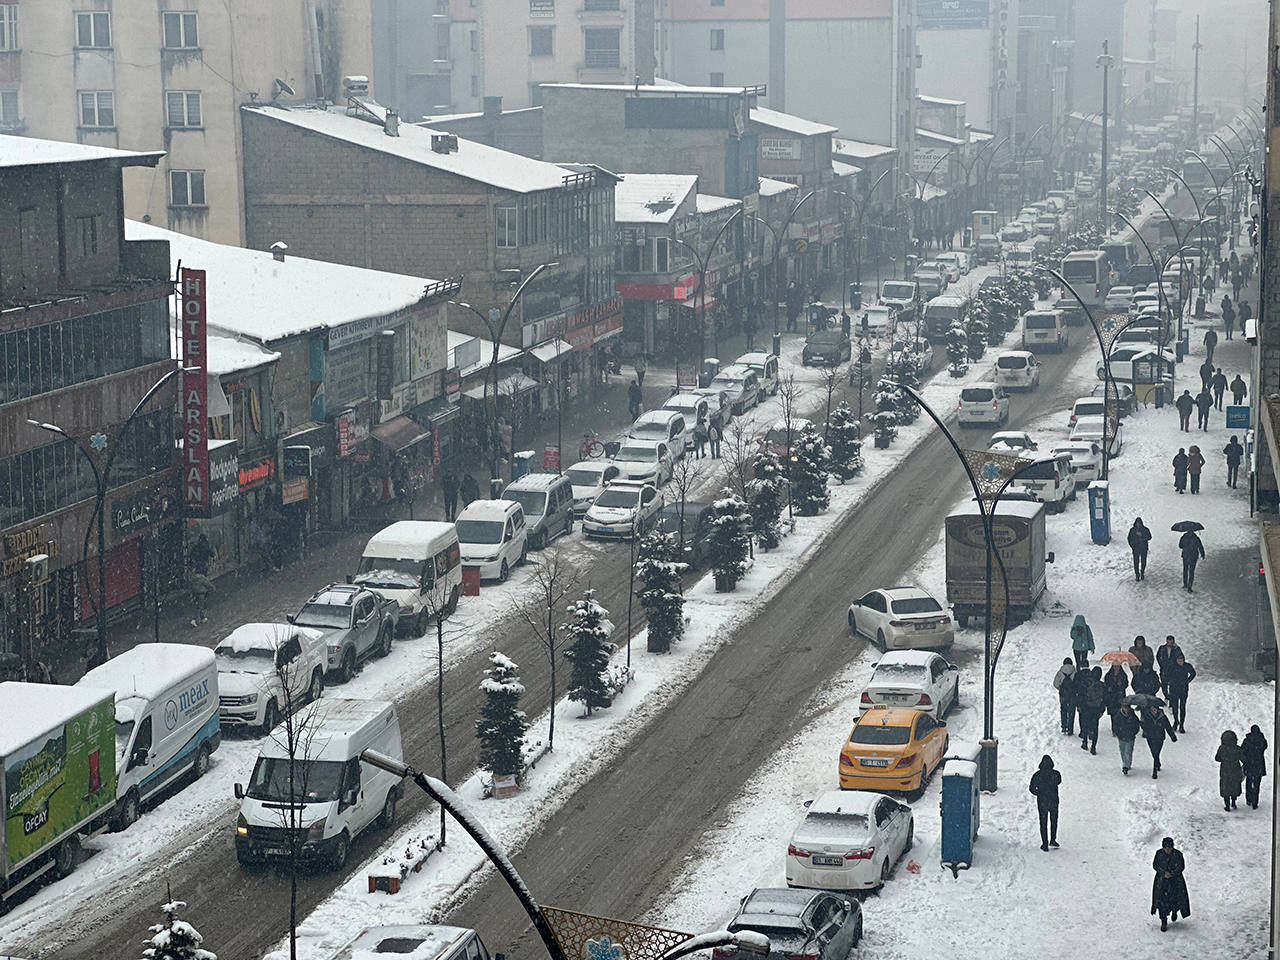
195 393
953 14
386 359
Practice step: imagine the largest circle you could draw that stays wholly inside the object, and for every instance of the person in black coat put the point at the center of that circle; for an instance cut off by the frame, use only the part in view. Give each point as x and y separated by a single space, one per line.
635 399
1044 787
1169 891
1204 403
1180 675
1064 683
1219 387
1116 685
1253 755
449 487
1234 453
469 489
1125 724
1145 680
1093 698
1180 464
1206 374
1139 541
1155 727
1165 657
1185 404
1192 553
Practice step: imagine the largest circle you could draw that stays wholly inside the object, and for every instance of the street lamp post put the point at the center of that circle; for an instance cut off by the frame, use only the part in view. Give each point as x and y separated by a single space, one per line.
702 260
773 268
1164 303
786 225
1106 61
100 450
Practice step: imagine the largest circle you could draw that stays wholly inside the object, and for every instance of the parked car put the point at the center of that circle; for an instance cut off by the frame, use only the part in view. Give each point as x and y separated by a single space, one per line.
903 295
920 350
1140 301
650 461
1117 299
765 366
1018 370
1086 459
719 409
625 509
1089 407
266 668
588 478
987 250
849 840
1090 428
892 750
912 678
1123 358
799 924
778 440
827 347
548 503
1124 394
416 563
665 425
979 405
695 519
356 623
957 259
741 387
932 278
878 320
1050 480
1012 441
950 267
695 408
493 536
1014 232
900 618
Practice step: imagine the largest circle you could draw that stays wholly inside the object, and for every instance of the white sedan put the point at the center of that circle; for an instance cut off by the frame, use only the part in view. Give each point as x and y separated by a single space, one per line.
1017 442
1086 459
588 479
651 461
849 840
915 680
623 511
1090 428
1117 299
901 618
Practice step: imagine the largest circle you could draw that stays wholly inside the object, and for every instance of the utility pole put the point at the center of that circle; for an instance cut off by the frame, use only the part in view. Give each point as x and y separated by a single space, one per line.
1195 94
1105 61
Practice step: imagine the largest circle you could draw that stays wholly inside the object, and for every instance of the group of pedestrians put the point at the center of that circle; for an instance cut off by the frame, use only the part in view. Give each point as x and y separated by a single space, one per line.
1189 544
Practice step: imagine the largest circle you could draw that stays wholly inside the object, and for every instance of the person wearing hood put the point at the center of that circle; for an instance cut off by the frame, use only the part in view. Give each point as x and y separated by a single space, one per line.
1177 684
1044 787
1125 725
1195 466
1180 470
1169 891
1230 770
1081 641
1192 553
1093 700
1064 683
1155 727
1253 758
1139 541
1116 684
1143 652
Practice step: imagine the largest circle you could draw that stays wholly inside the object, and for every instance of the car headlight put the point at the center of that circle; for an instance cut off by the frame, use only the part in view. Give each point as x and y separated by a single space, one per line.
251 698
316 830
334 651
242 826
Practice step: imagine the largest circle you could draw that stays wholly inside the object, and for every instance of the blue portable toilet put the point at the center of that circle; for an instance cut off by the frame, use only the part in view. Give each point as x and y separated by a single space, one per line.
959 813
522 463
1100 511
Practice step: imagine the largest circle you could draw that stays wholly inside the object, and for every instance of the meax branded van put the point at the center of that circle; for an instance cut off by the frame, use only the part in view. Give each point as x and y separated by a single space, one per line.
331 795
417 564
415 942
166 718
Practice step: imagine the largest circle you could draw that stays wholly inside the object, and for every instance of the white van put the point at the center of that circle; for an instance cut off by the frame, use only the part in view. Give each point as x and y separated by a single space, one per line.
416 563
1020 259
493 536
415 942
1044 329
1049 480
766 367
332 793
166 718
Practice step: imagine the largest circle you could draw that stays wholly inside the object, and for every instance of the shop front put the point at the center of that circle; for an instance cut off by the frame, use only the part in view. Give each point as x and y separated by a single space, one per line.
311 452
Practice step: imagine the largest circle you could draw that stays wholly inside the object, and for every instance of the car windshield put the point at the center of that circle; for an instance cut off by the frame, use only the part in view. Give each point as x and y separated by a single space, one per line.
1011 363
1040 321
480 531
254 660
637 454
942 311
583 477
977 395
670 523
323 615
832 827
878 735
123 732
617 498
312 781
917 605
826 338
649 431
534 502
1041 470
899 291
783 935
900 673
390 572
1090 408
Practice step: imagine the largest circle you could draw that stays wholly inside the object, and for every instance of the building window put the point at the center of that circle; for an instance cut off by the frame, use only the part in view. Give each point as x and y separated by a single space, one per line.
600 6
475 85
542 41
180 31
602 48
87 231
507 234
717 39
661 255
717 3
184 109
93 29
473 40
10 108
442 41
98 109
186 188
8 26
717 79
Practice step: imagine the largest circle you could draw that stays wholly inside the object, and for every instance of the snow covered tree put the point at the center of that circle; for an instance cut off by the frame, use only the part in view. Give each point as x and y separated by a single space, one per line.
809 473
659 567
730 541
175 939
589 650
886 415
902 368
844 436
502 725
765 504
958 350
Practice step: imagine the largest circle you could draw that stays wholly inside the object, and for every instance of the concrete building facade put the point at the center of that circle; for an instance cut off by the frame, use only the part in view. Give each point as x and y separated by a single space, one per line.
969 50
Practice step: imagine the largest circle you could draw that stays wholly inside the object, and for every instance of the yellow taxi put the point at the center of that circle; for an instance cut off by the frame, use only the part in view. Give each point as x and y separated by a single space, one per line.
892 749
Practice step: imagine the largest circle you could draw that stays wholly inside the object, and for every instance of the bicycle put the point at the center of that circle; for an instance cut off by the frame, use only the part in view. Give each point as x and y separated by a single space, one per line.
590 448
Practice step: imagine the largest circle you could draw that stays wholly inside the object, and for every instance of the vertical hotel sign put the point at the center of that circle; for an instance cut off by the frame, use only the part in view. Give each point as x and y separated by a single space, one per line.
195 393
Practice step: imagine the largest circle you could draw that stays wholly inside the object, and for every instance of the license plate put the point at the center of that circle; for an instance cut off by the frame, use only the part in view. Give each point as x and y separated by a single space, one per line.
275 851
604 529
874 763
924 626
828 861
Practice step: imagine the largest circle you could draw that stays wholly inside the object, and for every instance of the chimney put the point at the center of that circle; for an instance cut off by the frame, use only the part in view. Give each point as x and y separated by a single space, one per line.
391 125
277 250
492 106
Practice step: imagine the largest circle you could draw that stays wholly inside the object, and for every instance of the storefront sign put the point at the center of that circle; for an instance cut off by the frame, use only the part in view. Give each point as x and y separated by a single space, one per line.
140 510
346 375
361 456
686 375
195 393
608 328
428 343
351 432
653 291
294 490
952 14
773 148
581 338
224 479
832 231
924 159
435 446
386 369
257 473
551 459
358 330
21 546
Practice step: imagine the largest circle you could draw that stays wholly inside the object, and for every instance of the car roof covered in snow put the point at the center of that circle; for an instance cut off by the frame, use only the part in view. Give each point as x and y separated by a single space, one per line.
33 709
488 509
1024 509
909 658
845 801
263 636
767 902
410 941
148 670
408 538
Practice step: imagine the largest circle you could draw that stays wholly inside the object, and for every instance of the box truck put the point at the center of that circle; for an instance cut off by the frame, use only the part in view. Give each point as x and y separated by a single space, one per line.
57 748
1018 532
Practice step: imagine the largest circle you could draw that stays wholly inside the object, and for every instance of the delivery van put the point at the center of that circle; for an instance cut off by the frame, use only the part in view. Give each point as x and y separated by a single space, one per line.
166 718
416 563
332 795
415 942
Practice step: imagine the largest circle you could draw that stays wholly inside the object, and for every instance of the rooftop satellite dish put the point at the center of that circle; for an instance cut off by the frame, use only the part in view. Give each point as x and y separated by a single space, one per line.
282 87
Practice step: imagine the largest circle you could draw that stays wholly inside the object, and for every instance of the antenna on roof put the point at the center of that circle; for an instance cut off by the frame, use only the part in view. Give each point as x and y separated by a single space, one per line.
637 84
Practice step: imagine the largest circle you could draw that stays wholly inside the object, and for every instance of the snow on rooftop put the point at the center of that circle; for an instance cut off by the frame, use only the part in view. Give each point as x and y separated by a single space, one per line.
940 137
771 188
263 636
710 203
860 148
789 122
659 88
30 151
940 101
472 160
228 354
844 169
505 351
651 197
252 293
453 117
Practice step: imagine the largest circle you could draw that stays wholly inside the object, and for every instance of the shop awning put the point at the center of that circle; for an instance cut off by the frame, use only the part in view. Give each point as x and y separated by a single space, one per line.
436 412
692 302
399 433
546 352
511 386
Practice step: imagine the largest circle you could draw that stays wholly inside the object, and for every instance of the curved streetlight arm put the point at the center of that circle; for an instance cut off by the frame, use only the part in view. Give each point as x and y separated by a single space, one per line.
1159 278
440 792
746 941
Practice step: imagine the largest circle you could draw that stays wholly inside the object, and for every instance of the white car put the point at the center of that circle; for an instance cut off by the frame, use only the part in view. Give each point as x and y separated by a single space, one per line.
1140 301
695 409
1122 360
649 461
1012 441
920 350
915 680
957 264
849 840
1086 459
1015 232
588 478
983 404
493 535
1117 299
1018 370
1090 428
666 425
741 387
625 509
719 410
265 668
901 618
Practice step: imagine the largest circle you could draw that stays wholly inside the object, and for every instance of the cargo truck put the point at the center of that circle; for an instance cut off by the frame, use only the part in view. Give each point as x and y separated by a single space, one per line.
57 748
1018 532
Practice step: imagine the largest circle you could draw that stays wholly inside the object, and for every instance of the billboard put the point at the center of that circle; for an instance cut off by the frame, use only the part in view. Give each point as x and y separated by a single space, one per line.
952 14
195 393
924 160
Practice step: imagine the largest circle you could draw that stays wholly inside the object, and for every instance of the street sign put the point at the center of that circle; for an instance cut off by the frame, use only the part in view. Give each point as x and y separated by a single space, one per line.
686 375
551 459
1237 417
924 158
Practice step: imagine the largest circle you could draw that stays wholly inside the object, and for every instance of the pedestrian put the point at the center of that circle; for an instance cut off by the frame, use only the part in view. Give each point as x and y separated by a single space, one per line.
1192 553
642 367
1206 285
260 540
749 328
1228 316
1234 453
1243 313
1145 680
635 397
1210 343
1092 694
198 558
1185 404
1219 385
1081 641
1144 654
1125 724
1195 466
1206 374
794 299
1254 763
449 487
1044 787
1169 891
1238 390
1116 685
1166 656
1204 403
1237 281
1155 727
469 489
1180 470
714 434
699 439
1181 674
1230 769
1064 683
1139 541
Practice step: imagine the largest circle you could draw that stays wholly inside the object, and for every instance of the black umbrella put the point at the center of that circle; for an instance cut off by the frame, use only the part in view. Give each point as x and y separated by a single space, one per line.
1182 526
271 516
1142 700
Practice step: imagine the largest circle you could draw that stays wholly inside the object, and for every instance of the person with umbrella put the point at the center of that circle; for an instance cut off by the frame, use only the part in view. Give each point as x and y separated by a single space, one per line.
1064 683
1230 769
1081 641
1155 727
1044 787
1180 470
1165 657
1195 466
1192 550
1125 725
1253 760
1139 541
1169 891
1179 680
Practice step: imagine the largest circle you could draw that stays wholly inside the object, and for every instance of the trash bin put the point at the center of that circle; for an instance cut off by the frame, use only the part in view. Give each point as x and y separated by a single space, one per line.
470 581
909 266
968 237
960 807
1200 307
1184 344
495 488
777 344
710 367
1100 511
522 463
855 296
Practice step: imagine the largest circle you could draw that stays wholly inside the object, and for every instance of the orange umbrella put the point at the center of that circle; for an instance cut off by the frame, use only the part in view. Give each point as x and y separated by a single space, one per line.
1122 657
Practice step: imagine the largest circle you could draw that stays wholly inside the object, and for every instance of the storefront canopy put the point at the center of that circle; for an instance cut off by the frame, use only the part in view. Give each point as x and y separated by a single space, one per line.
546 352
399 433
511 386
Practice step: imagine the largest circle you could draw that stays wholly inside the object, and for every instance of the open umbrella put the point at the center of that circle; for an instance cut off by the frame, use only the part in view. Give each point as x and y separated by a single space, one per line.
1182 526
1142 700
1122 657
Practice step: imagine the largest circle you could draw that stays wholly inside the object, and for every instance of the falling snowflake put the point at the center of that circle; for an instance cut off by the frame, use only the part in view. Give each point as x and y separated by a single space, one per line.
603 947
98 441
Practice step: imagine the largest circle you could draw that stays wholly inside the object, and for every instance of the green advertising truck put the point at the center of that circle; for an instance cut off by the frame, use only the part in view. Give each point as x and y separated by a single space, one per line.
58 754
